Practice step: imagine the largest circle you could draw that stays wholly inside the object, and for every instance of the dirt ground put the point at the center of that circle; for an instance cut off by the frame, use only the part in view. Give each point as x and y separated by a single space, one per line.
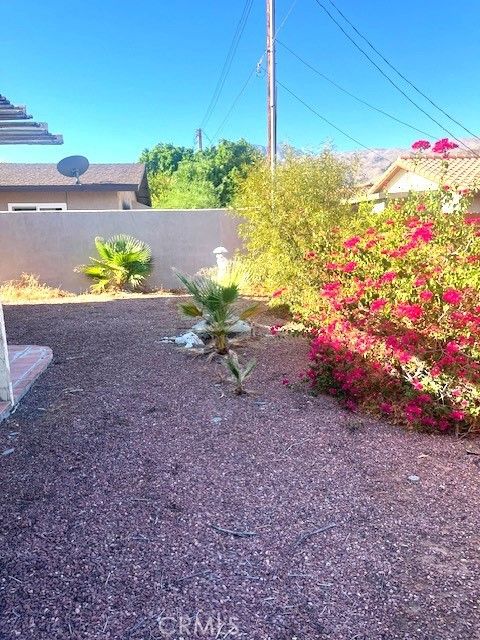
132 462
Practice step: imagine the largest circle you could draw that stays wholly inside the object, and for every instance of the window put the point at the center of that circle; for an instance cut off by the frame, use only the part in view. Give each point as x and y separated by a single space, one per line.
37 206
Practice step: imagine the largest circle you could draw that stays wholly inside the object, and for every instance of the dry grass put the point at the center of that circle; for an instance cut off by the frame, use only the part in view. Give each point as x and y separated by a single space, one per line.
29 288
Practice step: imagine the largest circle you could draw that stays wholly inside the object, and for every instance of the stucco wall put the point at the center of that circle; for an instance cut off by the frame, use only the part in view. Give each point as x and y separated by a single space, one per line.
52 244
74 199
409 181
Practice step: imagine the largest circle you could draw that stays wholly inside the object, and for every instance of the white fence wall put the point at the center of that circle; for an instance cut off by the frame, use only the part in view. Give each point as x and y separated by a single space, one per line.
52 244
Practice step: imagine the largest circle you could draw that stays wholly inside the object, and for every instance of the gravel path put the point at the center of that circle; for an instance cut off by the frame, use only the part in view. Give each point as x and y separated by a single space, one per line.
128 452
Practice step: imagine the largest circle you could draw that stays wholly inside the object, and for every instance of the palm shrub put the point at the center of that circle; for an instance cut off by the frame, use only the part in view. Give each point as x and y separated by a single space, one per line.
238 373
215 303
124 262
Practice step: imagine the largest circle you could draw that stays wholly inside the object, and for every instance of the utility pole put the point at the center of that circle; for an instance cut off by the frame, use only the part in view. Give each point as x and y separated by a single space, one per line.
271 86
199 139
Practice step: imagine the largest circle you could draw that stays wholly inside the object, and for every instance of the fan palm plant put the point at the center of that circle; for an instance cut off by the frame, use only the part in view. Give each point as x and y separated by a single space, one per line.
238 373
123 263
214 303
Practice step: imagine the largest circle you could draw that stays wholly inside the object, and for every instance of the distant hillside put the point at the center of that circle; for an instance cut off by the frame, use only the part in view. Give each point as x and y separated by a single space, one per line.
374 162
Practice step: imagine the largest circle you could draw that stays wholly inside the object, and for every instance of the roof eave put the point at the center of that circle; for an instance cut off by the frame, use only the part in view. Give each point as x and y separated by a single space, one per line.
70 187
379 184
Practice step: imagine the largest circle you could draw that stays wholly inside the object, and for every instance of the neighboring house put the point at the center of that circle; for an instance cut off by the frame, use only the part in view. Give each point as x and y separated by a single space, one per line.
40 187
425 173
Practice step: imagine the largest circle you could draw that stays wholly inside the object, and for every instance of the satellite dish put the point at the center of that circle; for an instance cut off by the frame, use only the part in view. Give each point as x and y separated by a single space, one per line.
73 167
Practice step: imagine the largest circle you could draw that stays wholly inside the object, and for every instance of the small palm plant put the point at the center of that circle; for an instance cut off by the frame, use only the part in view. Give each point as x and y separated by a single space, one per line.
238 373
124 262
214 303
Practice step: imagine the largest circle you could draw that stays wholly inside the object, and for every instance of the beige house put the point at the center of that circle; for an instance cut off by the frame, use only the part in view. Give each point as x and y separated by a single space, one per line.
426 173
40 187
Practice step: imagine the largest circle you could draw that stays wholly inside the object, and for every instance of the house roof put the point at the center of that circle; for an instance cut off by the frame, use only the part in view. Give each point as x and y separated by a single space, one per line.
44 177
463 171
17 128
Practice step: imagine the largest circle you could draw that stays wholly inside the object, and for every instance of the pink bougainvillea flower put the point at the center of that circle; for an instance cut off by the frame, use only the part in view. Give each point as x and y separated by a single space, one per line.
278 292
378 304
413 411
421 145
457 415
331 289
426 295
285 381
411 311
386 407
349 267
331 266
421 207
424 398
443 424
351 242
444 145
428 421
452 296
423 233
452 347
420 281
275 329
310 255
464 192
413 222
446 187
388 276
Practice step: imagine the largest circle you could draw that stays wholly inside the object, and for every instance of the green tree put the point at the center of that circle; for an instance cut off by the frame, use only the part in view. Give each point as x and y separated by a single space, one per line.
228 162
180 177
164 158
187 188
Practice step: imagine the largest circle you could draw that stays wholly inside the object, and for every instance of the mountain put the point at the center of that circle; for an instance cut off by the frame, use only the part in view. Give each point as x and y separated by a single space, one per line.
373 162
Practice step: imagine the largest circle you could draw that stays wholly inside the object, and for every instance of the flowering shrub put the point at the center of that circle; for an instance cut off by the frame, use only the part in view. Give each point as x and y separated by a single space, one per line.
397 319
391 298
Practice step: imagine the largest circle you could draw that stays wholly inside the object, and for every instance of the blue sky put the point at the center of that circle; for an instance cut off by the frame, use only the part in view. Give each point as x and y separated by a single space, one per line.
116 76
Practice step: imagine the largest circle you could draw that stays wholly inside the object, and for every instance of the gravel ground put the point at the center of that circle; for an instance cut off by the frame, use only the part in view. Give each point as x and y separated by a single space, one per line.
127 452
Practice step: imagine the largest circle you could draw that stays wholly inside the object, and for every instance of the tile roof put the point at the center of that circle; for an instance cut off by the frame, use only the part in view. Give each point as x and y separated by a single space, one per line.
463 171
18 174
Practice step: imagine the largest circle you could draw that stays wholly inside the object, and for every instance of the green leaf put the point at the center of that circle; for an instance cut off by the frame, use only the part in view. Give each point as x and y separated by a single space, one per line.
123 260
191 310
250 311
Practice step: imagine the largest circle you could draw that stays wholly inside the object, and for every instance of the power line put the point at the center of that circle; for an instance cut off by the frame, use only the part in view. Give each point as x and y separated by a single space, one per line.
255 69
207 136
233 105
330 123
228 61
352 95
392 82
399 73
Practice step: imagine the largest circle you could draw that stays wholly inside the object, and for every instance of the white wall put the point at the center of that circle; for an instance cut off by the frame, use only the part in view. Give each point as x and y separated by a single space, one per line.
407 181
52 244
